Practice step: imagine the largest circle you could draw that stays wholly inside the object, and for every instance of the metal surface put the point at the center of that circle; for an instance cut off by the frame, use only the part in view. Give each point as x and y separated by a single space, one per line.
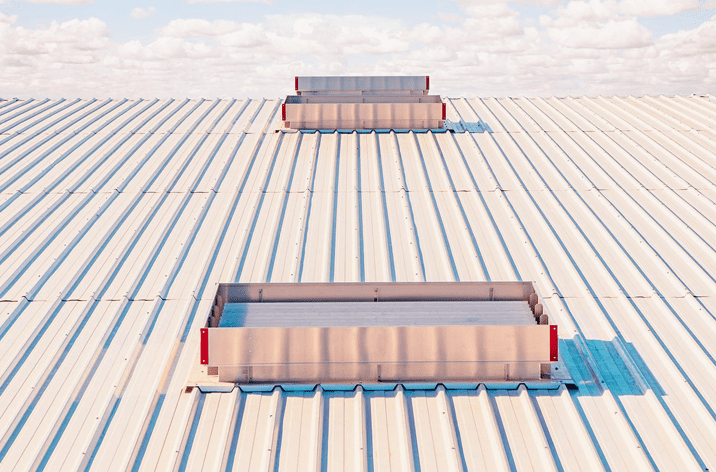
120 218
373 291
377 353
363 98
398 115
363 84
370 332
351 103
370 313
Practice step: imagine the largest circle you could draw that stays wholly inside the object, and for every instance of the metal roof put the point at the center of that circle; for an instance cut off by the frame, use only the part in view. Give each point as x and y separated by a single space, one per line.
120 218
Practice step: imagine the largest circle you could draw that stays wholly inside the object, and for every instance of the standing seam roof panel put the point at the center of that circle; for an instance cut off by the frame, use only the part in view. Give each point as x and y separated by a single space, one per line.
122 216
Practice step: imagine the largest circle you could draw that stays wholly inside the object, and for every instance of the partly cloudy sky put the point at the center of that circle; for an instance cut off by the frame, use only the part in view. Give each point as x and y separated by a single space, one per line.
253 48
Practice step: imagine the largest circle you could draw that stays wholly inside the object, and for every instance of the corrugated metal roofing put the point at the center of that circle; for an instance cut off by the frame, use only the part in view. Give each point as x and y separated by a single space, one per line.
120 217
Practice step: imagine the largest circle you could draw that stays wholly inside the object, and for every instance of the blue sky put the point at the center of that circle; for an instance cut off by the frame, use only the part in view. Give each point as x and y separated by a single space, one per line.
209 48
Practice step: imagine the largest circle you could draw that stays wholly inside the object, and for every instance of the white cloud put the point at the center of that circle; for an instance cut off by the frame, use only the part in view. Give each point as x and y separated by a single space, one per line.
593 10
7 19
656 7
613 34
487 10
580 49
693 43
193 27
72 41
139 13
493 2
63 2
577 11
268 2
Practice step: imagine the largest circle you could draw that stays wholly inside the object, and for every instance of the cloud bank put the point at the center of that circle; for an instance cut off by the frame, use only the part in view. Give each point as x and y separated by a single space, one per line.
579 48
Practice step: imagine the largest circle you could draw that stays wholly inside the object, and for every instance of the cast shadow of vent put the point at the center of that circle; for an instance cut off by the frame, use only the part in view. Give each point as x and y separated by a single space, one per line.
468 126
596 366
415 426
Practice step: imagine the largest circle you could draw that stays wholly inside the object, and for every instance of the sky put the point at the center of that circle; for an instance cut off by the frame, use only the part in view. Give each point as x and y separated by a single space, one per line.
254 48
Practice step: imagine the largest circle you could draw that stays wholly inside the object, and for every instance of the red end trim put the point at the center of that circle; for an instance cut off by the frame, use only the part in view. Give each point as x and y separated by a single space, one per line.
296 82
204 346
283 112
444 111
553 344
427 82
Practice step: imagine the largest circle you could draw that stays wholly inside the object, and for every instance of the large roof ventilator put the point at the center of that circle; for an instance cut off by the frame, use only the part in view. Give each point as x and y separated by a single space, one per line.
379 332
363 103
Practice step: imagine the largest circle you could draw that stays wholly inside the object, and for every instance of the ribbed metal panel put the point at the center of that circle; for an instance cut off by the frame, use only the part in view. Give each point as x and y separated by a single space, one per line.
376 314
120 217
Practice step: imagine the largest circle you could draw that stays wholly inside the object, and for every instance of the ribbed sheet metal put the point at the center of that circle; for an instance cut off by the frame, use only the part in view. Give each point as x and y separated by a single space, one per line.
119 218
396 313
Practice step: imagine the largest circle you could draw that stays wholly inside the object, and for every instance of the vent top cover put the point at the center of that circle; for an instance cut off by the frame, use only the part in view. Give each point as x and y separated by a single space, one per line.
362 85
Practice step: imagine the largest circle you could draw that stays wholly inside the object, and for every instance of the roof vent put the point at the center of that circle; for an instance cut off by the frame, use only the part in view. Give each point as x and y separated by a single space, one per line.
365 103
368 332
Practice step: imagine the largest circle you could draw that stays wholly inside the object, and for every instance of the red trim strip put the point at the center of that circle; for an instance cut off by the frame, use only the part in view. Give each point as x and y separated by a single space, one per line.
553 344
444 111
283 112
427 82
296 82
204 346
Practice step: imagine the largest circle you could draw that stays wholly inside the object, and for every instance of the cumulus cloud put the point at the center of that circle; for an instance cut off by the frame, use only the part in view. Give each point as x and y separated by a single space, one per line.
699 42
7 19
493 2
63 2
194 27
613 34
139 13
594 10
479 9
657 7
70 37
268 2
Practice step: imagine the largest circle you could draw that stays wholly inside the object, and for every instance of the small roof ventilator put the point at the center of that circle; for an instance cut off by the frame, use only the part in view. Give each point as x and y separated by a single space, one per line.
363 103
378 332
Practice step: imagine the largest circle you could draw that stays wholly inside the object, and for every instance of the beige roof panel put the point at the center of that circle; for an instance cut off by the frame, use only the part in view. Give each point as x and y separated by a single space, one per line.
120 217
